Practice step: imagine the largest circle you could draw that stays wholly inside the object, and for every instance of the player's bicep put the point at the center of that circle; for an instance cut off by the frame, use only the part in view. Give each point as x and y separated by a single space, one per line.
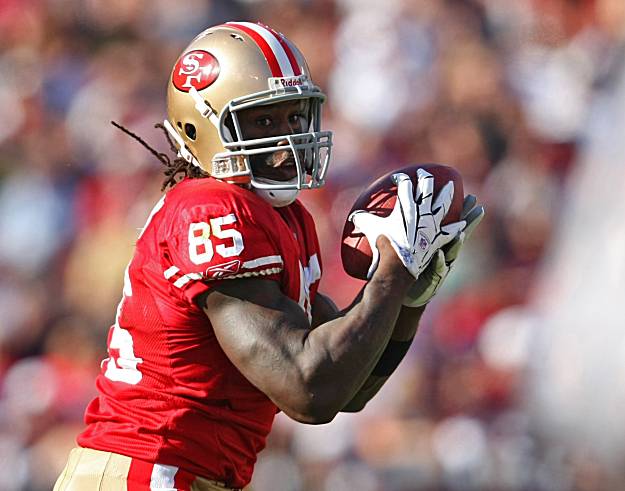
261 330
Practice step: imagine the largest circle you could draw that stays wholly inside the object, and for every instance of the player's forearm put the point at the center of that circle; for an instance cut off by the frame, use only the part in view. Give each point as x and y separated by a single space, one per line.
309 373
346 349
404 331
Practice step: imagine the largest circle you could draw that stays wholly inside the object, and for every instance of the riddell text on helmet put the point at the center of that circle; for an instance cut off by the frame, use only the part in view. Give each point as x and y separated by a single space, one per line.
197 68
282 82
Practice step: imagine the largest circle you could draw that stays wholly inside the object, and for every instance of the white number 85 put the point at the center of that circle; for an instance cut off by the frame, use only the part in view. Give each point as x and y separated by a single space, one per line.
200 245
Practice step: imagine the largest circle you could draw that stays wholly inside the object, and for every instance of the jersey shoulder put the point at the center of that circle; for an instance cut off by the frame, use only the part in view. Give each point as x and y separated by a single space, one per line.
213 195
205 199
213 231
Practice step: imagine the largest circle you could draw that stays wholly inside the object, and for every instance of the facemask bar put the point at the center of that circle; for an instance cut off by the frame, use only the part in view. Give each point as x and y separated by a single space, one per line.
306 148
314 145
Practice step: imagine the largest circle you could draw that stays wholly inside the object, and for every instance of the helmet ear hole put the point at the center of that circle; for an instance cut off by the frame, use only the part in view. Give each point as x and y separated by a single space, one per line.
190 131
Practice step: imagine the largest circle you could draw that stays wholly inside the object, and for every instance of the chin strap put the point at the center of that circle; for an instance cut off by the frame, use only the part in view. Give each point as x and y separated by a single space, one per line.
203 108
275 197
206 111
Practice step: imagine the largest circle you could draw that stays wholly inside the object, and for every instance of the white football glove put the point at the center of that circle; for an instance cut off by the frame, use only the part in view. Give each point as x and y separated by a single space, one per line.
414 226
434 275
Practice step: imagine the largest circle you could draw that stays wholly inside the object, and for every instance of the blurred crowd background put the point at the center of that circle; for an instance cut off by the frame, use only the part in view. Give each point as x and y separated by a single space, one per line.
516 381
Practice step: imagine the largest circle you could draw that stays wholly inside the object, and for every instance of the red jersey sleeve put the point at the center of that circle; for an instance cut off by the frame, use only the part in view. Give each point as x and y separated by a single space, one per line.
219 234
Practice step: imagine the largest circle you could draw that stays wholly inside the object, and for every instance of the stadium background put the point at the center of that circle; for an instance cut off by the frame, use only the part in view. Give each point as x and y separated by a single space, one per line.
516 381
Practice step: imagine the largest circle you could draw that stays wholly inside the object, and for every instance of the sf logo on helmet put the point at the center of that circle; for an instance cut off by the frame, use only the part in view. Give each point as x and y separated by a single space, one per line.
197 68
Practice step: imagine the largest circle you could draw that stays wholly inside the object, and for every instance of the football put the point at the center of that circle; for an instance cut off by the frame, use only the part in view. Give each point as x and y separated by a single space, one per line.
379 198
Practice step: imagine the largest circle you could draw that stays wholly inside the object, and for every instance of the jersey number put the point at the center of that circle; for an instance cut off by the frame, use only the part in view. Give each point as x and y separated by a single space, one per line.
121 365
201 248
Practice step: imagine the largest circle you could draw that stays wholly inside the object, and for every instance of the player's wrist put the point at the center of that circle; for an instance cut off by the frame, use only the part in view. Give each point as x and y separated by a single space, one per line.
410 302
428 283
391 265
407 323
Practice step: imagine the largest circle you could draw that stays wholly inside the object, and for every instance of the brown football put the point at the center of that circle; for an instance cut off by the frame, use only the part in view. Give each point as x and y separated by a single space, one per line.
379 198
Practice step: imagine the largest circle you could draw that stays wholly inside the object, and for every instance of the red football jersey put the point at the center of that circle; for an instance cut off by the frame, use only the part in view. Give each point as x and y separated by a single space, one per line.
167 392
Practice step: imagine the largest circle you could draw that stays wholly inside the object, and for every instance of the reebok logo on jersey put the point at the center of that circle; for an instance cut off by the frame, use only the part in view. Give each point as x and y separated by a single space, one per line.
224 269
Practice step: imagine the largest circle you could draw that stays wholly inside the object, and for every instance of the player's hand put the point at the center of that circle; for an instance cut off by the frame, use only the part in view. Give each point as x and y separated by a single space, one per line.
434 275
414 226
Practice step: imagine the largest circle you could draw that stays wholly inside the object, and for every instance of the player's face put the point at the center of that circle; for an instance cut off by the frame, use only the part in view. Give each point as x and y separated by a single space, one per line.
285 118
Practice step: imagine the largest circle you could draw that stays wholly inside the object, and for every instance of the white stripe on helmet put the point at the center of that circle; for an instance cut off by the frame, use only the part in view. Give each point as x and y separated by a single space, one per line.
276 47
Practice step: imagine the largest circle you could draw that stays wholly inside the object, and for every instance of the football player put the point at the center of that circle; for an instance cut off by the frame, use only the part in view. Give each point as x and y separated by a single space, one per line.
221 324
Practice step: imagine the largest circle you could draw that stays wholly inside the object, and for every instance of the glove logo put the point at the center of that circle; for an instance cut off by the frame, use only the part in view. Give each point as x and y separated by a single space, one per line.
197 68
423 241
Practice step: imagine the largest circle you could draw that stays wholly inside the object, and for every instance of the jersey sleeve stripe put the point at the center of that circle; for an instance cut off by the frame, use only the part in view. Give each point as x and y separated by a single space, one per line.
271 265
251 274
262 261
274 52
183 280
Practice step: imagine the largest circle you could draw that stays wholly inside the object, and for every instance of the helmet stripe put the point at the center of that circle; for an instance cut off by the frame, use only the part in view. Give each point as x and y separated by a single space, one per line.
272 49
287 50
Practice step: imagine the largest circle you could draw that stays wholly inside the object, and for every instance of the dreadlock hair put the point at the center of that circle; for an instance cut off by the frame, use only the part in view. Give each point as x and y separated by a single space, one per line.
172 167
